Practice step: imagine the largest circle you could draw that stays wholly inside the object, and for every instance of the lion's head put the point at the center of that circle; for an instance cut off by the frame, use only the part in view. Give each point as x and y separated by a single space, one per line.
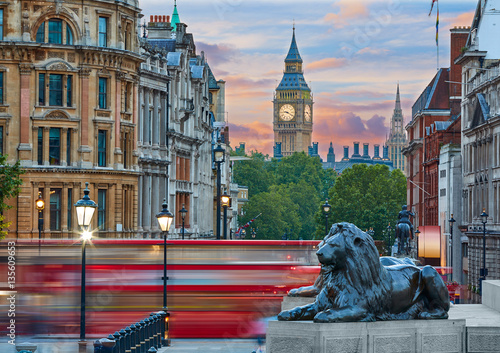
352 252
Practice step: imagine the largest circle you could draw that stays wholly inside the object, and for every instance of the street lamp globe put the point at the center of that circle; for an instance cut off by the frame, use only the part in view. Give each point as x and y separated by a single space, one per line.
219 154
183 212
225 199
39 203
451 220
326 207
484 216
85 209
165 217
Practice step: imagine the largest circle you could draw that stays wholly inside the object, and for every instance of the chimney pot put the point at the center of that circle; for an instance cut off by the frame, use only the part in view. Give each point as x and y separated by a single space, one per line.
151 18
168 18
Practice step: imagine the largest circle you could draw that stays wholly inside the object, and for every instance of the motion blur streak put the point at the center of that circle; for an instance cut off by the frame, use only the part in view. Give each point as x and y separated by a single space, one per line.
215 288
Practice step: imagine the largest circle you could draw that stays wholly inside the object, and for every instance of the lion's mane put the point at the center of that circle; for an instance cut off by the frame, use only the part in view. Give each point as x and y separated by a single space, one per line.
363 273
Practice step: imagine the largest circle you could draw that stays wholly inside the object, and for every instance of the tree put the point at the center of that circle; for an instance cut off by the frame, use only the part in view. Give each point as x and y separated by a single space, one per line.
253 173
10 182
368 196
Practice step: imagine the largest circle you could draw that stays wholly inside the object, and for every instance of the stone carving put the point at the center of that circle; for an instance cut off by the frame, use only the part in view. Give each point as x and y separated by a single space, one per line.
58 67
355 286
56 114
56 54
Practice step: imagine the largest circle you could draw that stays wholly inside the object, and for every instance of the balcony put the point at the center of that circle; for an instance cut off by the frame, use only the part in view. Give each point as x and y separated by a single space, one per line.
184 186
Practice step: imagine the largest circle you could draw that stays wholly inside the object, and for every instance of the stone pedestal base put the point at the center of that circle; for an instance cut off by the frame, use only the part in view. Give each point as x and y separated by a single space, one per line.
408 336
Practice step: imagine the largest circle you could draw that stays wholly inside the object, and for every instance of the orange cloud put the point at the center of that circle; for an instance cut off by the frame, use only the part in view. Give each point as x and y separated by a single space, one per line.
348 10
464 19
327 63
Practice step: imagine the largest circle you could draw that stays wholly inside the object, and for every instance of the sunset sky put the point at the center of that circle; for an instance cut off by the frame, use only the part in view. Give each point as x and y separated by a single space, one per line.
354 52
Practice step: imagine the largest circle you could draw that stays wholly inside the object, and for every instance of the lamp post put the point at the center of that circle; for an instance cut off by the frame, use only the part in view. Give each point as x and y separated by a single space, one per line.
326 210
85 209
165 218
218 159
183 212
451 221
417 234
484 271
40 205
226 200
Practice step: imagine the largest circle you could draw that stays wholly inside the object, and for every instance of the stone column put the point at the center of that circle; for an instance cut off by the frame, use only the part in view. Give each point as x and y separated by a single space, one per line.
146 206
84 116
24 147
163 119
46 211
115 207
64 146
140 201
155 200
156 118
46 136
64 210
145 139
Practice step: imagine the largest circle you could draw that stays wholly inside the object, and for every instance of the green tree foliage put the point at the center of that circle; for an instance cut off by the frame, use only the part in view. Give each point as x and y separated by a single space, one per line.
367 196
253 173
10 183
294 185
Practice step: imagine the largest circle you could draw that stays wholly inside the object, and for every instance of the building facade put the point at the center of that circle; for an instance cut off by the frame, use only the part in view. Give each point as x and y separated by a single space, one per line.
292 107
68 112
481 143
356 158
397 136
181 103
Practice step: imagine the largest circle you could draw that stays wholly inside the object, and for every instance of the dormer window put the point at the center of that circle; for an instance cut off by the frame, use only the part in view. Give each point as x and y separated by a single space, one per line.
55 31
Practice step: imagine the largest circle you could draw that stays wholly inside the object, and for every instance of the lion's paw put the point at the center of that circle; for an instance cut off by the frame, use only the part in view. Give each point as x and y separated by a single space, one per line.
293 293
321 317
285 316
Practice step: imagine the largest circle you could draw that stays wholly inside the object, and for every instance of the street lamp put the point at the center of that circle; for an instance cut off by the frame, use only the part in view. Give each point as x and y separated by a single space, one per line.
219 157
40 205
183 212
326 210
417 234
484 271
85 209
451 221
165 218
226 200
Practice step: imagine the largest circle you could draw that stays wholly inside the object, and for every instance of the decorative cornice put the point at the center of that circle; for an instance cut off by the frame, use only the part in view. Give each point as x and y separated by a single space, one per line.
25 68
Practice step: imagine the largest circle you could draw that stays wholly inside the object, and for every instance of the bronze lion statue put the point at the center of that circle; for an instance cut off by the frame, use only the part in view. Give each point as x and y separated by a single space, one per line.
355 286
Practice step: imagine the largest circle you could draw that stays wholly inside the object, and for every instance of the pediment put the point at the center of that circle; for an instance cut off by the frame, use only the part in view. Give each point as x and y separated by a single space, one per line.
56 115
59 66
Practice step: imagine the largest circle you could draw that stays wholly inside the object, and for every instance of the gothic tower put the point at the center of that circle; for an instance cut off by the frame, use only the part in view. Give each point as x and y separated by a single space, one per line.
293 106
397 137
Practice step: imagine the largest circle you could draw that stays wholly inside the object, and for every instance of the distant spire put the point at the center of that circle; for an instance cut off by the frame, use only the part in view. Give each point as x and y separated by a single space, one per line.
398 100
175 17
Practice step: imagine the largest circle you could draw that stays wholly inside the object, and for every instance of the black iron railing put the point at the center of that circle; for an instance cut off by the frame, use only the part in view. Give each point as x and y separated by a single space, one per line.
144 336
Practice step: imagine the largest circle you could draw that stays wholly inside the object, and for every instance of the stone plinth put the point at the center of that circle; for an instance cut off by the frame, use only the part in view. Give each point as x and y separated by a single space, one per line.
292 302
406 336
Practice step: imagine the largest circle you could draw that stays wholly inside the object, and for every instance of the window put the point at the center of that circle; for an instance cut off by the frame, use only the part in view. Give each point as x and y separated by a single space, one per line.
69 91
103 92
1 139
68 147
40 145
1 24
70 204
41 89
101 148
55 209
59 32
101 209
55 89
1 87
55 146
55 31
103 31
40 33
125 151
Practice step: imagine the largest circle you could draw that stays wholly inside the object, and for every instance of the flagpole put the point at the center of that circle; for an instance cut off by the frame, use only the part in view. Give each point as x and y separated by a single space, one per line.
437 35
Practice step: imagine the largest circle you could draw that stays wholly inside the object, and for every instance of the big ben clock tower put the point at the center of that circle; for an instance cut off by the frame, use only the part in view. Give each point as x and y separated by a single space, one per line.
293 106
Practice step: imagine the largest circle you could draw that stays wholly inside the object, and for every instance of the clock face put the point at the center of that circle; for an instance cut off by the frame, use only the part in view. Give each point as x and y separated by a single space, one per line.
287 112
307 113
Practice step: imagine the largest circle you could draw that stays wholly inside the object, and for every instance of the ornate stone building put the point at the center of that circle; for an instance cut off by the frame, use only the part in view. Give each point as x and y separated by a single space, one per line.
397 136
68 111
481 143
293 107
181 117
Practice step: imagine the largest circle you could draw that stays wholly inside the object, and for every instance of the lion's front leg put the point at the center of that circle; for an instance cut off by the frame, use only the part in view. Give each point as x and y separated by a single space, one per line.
344 314
308 291
305 312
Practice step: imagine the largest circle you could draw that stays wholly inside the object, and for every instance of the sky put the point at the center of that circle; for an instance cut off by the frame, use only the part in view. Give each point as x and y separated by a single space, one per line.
354 51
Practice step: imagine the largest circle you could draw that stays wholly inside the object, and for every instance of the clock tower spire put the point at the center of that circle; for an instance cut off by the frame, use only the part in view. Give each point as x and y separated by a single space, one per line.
293 105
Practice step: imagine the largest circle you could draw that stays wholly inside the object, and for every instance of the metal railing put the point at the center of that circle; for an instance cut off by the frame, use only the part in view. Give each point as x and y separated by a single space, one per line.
145 336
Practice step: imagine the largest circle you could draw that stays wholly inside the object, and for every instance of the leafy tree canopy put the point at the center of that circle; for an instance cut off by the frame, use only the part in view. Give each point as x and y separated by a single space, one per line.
10 183
367 196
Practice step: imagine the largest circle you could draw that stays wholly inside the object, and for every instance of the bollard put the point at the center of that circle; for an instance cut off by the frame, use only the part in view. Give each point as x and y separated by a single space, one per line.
118 340
152 350
133 335
128 339
147 334
143 348
123 343
155 330
26 347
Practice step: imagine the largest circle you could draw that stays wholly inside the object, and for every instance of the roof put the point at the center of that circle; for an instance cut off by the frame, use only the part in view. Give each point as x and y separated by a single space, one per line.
293 52
212 82
294 81
167 44
174 59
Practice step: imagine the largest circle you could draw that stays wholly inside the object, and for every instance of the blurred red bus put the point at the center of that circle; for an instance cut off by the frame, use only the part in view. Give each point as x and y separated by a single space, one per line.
215 288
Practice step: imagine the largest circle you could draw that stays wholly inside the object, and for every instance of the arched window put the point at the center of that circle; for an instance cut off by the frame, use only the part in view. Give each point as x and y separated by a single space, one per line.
55 31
